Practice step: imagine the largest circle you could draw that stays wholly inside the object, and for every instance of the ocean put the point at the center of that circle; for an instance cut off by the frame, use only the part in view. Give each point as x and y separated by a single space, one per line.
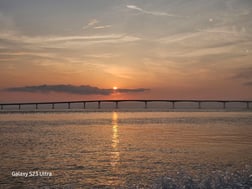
125 149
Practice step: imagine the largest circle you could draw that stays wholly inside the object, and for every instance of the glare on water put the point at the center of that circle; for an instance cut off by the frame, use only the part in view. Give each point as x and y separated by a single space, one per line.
115 154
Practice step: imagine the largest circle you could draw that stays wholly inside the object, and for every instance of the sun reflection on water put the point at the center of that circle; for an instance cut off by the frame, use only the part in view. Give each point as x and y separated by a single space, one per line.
115 154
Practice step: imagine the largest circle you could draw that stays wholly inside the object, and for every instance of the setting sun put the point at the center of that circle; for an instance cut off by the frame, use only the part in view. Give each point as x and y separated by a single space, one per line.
114 88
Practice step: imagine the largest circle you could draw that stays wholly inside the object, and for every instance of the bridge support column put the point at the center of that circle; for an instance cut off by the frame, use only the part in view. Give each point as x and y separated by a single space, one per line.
224 105
1 107
84 105
199 105
99 104
69 105
145 104
173 104
247 105
19 106
116 104
36 106
52 106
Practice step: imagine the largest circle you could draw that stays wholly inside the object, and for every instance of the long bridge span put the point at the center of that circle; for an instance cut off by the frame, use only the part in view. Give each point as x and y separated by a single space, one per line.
116 103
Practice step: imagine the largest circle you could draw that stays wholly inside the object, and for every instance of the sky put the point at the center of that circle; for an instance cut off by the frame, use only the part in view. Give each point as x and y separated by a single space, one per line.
162 49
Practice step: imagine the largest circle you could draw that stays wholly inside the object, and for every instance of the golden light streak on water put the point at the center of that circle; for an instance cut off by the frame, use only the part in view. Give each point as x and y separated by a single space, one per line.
115 154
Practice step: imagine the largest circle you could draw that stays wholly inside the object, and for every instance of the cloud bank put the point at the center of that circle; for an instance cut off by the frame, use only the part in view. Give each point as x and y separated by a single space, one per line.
72 89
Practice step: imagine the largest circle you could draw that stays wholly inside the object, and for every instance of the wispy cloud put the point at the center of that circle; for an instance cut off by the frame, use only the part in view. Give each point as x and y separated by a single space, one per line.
218 34
57 41
90 24
94 24
72 89
214 43
154 13
60 52
102 27
178 37
224 30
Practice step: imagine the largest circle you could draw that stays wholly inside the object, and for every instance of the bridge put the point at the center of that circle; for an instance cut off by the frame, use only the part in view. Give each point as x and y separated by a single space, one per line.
116 103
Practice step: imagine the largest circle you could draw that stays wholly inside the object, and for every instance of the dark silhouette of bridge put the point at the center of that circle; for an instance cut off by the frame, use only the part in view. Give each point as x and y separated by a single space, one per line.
116 103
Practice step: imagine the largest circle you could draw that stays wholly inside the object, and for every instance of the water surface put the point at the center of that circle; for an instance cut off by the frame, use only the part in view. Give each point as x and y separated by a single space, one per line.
127 149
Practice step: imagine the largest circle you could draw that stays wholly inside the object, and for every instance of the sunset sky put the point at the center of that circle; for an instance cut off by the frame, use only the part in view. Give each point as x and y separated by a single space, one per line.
162 49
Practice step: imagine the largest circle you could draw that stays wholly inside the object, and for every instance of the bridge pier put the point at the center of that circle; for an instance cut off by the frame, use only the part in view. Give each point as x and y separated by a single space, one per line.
224 105
36 106
145 104
99 104
247 105
116 104
52 105
199 104
1 107
19 106
69 105
84 105
173 104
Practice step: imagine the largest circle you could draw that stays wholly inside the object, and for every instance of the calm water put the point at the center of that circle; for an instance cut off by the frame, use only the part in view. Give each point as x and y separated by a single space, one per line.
126 149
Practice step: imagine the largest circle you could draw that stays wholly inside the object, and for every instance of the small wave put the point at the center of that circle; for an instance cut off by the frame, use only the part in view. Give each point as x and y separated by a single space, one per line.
216 180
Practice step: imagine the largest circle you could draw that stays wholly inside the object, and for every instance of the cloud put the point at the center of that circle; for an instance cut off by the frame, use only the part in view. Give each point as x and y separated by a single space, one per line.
102 27
178 37
94 25
63 41
132 90
154 13
72 89
225 30
56 50
210 45
90 24
215 34
93 22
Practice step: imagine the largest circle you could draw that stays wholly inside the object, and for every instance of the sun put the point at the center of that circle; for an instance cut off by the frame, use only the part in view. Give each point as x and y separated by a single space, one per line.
114 88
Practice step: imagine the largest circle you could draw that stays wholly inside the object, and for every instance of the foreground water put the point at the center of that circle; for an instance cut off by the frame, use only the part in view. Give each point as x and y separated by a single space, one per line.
126 150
